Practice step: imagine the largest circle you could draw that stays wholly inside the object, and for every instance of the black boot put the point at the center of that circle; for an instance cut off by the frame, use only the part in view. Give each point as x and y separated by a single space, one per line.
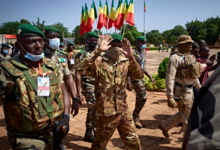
89 137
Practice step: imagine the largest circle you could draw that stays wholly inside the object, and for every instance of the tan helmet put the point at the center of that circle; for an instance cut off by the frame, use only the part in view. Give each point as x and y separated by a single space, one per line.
184 39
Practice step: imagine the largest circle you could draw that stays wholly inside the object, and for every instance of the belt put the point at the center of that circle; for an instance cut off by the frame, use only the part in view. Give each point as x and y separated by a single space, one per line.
180 85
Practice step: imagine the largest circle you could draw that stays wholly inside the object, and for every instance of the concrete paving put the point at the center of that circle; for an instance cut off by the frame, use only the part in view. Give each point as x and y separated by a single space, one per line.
154 112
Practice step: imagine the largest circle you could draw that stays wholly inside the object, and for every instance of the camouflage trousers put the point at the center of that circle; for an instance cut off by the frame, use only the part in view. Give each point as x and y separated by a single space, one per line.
91 117
106 125
141 96
179 117
30 144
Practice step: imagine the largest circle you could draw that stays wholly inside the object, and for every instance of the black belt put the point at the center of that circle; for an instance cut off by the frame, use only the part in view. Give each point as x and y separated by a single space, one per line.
180 85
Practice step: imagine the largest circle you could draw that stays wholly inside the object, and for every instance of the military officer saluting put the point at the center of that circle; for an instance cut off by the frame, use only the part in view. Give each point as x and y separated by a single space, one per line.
4 55
33 93
51 45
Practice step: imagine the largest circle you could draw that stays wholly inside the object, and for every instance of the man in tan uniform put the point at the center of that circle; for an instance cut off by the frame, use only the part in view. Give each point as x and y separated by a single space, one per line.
182 73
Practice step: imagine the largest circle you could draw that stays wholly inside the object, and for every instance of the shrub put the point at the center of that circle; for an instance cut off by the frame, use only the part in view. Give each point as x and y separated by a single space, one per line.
159 82
163 68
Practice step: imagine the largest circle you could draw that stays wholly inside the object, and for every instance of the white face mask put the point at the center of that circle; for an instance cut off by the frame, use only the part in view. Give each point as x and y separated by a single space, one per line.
54 43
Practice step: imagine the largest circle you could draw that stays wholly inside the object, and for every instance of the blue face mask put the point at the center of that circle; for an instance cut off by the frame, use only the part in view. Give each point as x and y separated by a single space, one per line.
143 46
5 51
32 57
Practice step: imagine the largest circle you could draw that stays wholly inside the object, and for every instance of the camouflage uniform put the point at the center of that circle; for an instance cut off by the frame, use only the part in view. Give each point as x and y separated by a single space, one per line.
87 85
58 58
70 56
27 116
110 91
4 58
139 86
183 87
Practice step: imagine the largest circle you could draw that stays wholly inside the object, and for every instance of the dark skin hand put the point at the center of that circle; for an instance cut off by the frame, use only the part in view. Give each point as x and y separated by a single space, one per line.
138 45
34 45
48 36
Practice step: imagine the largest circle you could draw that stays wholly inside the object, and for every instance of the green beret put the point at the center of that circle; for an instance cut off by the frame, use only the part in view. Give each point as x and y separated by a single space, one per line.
5 45
70 42
117 37
141 38
27 29
49 29
61 43
92 35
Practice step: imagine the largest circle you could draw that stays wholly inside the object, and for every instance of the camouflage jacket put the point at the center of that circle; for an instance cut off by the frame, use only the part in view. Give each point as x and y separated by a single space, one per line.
58 58
176 62
110 80
24 111
87 82
4 58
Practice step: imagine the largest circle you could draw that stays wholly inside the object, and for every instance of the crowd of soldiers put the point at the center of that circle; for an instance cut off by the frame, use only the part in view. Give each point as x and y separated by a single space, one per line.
38 84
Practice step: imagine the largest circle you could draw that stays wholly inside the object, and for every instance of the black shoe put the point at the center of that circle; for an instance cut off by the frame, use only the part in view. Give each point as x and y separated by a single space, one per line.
89 137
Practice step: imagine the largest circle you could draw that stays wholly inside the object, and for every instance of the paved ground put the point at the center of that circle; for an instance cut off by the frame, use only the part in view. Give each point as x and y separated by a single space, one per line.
154 112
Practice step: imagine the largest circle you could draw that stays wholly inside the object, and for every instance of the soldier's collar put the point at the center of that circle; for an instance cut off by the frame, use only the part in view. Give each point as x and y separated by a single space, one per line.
120 58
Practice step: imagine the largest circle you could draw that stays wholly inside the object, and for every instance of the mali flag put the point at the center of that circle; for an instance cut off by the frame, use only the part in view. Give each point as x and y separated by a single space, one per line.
119 15
112 17
101 21
106 14
126 6
130 15
145 7
86 18
82 23
92 17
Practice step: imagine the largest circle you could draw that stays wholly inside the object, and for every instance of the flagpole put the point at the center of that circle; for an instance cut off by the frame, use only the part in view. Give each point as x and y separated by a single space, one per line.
124 30
144 22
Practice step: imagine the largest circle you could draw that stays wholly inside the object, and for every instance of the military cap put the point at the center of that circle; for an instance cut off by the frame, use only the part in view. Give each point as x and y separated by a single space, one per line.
27 29
141 38
117 37
184 39
92 35
70 42
49 29
61 43
5 45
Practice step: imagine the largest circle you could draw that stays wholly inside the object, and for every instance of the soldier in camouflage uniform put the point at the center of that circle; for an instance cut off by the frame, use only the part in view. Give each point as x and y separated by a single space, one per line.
110 71
87 85
139 84
182 73
52 41
28 117
70 55
4 55
61 47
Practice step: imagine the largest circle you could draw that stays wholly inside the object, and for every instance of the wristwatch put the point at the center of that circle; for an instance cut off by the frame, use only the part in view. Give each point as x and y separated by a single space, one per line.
75 98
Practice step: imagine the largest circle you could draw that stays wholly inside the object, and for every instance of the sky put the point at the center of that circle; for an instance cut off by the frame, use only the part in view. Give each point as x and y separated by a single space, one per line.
161 15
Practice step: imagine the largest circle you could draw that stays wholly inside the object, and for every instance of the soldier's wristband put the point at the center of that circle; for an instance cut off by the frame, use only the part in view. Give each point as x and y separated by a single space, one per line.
75 98
66 115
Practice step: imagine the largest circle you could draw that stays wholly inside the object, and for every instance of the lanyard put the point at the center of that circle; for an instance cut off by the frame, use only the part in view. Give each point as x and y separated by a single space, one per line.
40 71
71 54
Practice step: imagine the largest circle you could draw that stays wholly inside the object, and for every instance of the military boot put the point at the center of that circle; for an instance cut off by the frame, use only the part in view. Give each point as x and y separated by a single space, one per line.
165 132
89 137
138 122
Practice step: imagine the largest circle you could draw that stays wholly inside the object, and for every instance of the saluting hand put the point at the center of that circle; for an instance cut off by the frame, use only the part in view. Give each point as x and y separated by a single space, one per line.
127 51
104 46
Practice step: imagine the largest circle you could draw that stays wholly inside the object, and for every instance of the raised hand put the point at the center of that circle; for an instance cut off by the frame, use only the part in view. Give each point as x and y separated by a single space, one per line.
127 51
104 46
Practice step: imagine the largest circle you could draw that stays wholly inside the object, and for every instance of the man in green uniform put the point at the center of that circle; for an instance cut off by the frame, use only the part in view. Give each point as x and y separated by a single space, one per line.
4 55
52 41
87 84
110 70
33 94
139 84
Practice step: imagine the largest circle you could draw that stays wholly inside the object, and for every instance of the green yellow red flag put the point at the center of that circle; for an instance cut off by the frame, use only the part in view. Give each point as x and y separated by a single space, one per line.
106 14
130 14
82 23
101 17
92 17
145 6
112 17
86 18
119 15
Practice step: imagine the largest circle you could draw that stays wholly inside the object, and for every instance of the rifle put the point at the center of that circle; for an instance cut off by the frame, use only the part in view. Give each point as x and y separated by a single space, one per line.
57 143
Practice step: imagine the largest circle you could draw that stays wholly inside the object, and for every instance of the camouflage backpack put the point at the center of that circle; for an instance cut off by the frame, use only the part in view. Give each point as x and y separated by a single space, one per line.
31 114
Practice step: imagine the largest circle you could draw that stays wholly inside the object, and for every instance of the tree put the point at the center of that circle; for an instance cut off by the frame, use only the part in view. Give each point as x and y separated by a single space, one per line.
79 40
38 24
24 21
155 38
193 28
9 27
129 36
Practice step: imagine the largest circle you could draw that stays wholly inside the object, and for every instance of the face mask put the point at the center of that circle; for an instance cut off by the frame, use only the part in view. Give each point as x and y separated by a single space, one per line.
54 43
92 45
113 53
143 46
5 51
185 48
61 49
32 57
